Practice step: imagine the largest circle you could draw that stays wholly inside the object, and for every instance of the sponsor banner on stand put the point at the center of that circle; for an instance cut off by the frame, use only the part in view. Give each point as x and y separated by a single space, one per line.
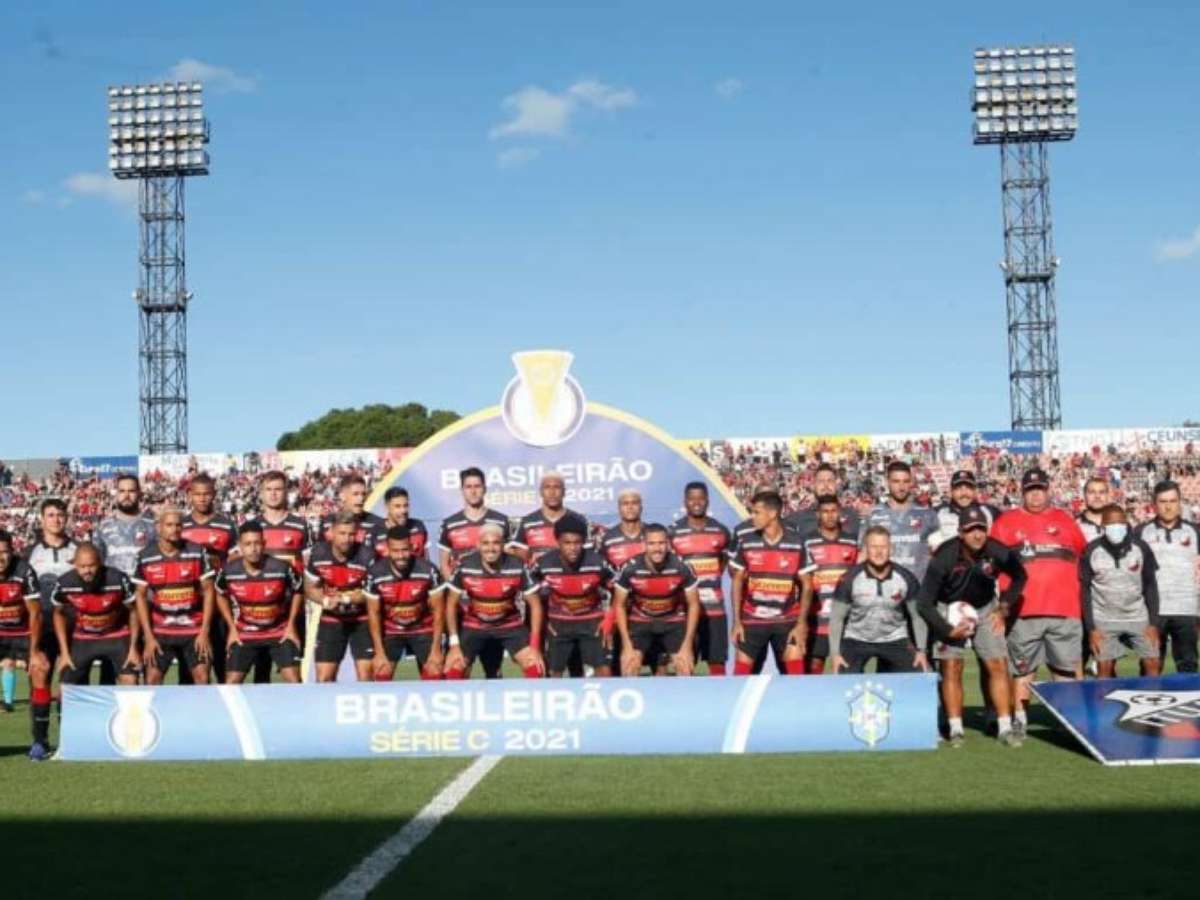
757 714
943 444
103 466
1015 442
812 446
1085 440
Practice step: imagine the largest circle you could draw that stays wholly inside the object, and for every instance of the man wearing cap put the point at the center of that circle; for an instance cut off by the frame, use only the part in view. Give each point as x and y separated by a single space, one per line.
964 569
964 494
1049 615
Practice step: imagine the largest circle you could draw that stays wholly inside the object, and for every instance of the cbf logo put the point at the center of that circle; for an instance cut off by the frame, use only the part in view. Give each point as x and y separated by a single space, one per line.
133 728
1170 714
543 405
870 705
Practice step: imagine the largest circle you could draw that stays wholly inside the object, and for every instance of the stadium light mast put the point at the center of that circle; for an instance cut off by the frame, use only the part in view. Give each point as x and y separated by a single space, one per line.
1024 98
157 134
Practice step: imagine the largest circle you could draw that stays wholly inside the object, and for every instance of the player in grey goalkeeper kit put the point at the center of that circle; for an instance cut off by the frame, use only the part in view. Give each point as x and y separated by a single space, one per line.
873 607
1118 576
909 525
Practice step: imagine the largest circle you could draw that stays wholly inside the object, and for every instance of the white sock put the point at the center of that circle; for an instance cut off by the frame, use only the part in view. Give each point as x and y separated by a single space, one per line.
1004 723
1021 717
956 725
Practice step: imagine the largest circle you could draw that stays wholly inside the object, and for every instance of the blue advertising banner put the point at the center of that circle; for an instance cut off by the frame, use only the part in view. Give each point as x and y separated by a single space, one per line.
757 714
103 466
1012 441
544 424
1130 721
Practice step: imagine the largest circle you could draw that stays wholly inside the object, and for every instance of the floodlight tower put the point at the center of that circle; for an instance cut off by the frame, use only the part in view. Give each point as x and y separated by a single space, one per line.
1024 98
157 135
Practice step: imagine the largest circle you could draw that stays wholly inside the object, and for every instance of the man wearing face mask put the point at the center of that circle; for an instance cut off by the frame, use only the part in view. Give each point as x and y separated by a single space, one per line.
1118 577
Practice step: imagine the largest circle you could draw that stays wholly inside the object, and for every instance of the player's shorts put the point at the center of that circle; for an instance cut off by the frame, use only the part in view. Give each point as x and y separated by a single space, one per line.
246 654
1116 637
15 648
816 645
113 651
712 639
1053 640
177 646
652 639
985 642
416 645
477 641
564 636
893 656
334 637
775 635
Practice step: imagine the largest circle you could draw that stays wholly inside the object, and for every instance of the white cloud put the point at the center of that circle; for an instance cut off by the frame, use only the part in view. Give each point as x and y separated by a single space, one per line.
215 78
517 156
1178 248
728 88
120 193
33 197
536 112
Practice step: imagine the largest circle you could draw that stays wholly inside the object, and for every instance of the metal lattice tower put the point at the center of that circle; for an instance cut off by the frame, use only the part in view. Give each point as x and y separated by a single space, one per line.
162 300
157 135
1025 97
1029 266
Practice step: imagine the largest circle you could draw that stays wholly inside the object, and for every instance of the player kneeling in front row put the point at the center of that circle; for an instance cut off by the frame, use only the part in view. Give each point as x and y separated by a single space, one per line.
1118 576
873 608
772 590
259 598
571 581
657 606
20 636
958 601
487 588
405 608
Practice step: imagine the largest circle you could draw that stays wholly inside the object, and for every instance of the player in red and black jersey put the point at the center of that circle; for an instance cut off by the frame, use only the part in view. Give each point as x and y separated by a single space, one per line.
396 505
657 607
334 580
405 608
174 586
627 538
93 620
285 536
352 493
20 637
217 535
571 580
490 585
831 552
259 598
535 533
772 591
701 542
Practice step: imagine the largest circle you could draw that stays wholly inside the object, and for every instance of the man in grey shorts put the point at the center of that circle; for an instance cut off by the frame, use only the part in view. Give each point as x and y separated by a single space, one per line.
964 570
1119 577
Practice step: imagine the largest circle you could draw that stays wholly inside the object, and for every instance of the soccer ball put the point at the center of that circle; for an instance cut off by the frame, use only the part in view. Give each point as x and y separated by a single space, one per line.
960 611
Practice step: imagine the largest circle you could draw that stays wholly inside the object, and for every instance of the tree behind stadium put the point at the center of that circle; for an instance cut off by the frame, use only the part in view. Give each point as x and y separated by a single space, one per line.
377 425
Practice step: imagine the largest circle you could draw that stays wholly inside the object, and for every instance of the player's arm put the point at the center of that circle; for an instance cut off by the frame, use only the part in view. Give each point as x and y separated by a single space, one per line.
60 632
133 660
533 597
839 610
375 626
1150 584
920 630
621 618
927 601
685 659
1010 564
737 583
225 611
208 604
804 579
295 587
150 648
314 588
454 654
437 604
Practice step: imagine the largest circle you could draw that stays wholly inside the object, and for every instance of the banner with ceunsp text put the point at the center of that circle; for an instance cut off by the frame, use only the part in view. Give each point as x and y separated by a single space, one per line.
756 714
1130 721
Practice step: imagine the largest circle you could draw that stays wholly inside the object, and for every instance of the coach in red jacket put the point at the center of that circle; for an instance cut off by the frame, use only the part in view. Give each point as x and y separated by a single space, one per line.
1047 626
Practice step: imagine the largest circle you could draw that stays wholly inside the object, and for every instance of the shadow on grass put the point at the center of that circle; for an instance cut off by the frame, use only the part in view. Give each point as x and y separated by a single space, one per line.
665 856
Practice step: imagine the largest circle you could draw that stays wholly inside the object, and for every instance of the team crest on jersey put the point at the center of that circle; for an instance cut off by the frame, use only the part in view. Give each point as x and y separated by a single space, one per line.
1172 714
134 728
870 705
543 406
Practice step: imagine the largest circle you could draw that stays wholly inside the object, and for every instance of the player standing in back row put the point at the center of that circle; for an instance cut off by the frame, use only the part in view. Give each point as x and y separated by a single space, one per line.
830 552
217 535
701 542
1176 547
396 506
909 525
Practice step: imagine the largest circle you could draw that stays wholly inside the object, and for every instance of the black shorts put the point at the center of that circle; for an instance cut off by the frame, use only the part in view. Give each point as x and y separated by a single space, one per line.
769 634
475 641
15 648
712 639
177 646
113 651
563 636
652 639
334 637
893 656
245 654
417 645
818 645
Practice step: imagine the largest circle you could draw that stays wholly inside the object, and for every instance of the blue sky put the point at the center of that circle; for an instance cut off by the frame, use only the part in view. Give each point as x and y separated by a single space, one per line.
742 218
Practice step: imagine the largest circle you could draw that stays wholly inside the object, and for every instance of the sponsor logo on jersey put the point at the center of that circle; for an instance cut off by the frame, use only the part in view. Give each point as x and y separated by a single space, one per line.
543 406
1172 714
870 707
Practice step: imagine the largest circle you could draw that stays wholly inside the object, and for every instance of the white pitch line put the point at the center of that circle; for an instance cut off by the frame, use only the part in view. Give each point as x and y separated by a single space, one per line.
384 858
